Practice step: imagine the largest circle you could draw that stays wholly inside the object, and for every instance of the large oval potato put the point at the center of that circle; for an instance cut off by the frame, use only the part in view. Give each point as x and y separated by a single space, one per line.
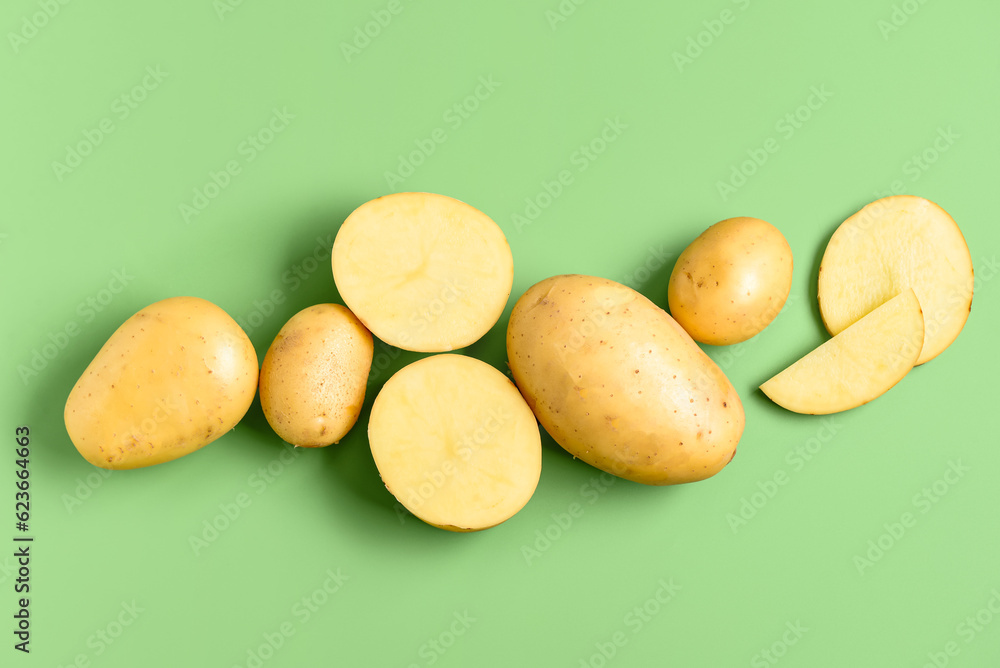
174 377
731 282
314 375
616 382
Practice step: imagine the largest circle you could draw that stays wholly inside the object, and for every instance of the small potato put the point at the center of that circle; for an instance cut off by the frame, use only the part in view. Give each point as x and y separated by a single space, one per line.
174 377
312 382
731 282
617 383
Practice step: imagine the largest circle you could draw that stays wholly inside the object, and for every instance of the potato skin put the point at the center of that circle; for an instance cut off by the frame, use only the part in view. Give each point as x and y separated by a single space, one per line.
174 377
731 282
314 376
617 383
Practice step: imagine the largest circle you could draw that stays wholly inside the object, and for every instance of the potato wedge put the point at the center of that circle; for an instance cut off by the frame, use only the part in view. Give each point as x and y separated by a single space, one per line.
857 365
890 245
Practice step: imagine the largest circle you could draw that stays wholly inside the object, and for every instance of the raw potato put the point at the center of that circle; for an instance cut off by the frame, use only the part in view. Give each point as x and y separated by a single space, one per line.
455 443
423 272
731 282
857 365
174 377
893 244
619 384
313 380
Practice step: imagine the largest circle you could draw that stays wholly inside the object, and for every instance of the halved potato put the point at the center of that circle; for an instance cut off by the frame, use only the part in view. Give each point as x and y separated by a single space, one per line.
890 245
857 365
455 442
423 272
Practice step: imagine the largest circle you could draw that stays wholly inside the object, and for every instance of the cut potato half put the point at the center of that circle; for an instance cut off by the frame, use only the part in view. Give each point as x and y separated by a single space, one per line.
893 244
423 272
455 442
857 365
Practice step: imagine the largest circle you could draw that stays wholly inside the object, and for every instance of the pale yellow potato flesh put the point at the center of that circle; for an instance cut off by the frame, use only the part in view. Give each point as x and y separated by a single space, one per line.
890 245
314 376
731 282
174 377
455 442
857 365
423 272
619 384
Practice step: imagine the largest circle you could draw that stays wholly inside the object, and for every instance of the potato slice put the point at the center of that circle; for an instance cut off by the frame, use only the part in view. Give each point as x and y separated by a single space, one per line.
423 272
857 365
890 245
455 442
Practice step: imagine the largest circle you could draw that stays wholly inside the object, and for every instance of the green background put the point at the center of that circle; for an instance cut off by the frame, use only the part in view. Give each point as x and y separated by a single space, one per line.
108 545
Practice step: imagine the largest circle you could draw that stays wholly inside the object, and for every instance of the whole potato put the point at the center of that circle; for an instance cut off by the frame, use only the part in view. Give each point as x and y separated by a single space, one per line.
312 382
616 382
731 282
174 377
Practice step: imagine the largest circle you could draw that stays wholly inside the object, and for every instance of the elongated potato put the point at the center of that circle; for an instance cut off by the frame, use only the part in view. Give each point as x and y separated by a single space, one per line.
455 443
174 377
619 384
423 272
314 375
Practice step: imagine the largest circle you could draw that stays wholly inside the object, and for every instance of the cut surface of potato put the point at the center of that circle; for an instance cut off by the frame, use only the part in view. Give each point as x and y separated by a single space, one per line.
423 272
455 442
890 245
857 365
